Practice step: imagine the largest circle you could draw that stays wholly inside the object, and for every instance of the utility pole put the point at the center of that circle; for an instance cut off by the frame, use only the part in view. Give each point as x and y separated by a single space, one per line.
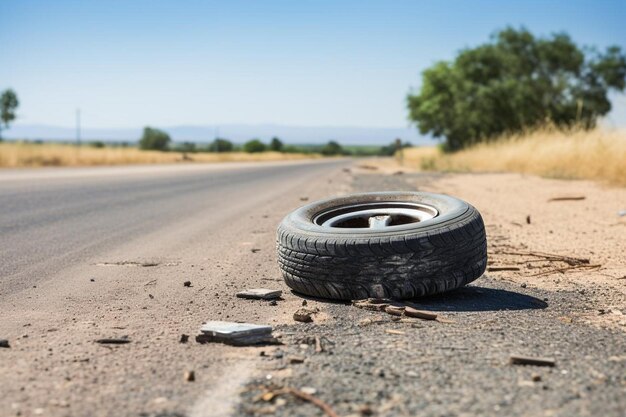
78 127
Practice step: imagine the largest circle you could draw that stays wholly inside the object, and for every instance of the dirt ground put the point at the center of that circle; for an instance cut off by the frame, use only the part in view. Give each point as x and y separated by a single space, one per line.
565 299
526 224
555 287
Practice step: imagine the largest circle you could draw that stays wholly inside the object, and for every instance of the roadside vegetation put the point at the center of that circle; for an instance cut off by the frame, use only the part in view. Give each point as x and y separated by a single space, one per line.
25 154
514 83
525 104
575 153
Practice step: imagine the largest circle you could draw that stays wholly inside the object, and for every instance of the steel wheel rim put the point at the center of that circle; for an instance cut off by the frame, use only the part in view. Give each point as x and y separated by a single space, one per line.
376 216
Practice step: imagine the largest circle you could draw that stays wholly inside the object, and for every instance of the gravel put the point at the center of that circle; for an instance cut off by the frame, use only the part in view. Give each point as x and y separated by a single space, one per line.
459 366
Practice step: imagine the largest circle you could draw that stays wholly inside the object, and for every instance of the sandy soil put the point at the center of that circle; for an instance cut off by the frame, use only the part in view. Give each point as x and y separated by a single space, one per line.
524 224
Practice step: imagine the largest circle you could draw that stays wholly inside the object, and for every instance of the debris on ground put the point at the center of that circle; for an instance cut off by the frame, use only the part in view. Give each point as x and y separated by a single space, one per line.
393 331
548 263
529 360
187 283
394 310
304 198
114 341
304 315
568 198
372 304
320 342
236 334
369 167
420 314
260 294
184 338
502 268
190 376
528 219
271 394
4 343
255 250
296 359
398 173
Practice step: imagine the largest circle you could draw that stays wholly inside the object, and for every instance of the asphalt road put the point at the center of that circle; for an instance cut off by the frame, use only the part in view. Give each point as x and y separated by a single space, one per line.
91 253
55 218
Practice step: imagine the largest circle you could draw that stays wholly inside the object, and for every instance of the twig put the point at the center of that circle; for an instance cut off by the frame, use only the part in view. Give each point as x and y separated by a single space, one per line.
547 256
570 198
563 270
502 268
308 397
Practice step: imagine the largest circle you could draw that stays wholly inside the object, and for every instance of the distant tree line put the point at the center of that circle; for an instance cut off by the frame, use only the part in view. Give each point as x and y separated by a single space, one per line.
514 82
159 140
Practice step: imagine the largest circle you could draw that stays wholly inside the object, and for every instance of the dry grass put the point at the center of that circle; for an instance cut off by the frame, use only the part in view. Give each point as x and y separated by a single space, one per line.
16 154
549 152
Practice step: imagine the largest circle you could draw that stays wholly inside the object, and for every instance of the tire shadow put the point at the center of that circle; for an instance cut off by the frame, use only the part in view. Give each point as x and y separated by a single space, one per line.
474 298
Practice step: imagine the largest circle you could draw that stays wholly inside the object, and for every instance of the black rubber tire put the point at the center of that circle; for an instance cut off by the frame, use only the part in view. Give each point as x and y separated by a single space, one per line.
413 260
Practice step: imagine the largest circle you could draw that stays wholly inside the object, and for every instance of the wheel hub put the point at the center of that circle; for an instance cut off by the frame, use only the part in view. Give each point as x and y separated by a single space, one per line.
379 216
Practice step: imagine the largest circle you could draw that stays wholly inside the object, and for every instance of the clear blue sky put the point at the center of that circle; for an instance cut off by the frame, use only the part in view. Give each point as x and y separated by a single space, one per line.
311 63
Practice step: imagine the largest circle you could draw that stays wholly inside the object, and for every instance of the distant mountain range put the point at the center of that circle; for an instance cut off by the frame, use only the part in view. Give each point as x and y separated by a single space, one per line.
237 133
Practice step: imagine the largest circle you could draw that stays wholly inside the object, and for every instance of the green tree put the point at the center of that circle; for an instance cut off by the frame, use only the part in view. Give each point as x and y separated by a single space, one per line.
276 144
253 146
221 145
154 139
332 148
513 82
8 104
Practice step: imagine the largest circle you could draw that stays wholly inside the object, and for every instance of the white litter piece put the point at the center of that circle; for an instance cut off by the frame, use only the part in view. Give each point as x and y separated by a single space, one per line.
237 334
260 294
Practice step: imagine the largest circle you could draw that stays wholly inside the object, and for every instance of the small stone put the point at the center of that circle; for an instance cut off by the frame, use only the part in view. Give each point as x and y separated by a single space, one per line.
296 359
190 376
366 410
184 338
187 283
273 303
304 315
151 296
254 250
535 377
92 280
304 303
528 219
309 390
523 285
4 343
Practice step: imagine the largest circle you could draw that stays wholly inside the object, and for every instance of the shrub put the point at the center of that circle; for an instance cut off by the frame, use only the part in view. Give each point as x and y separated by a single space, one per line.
254 146
154 139
221 145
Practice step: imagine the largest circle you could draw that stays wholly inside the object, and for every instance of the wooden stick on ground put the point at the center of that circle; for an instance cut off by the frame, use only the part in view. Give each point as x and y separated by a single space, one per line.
313 400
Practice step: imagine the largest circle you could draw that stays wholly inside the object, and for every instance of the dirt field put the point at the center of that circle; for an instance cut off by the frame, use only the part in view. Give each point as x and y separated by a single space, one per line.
17 155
